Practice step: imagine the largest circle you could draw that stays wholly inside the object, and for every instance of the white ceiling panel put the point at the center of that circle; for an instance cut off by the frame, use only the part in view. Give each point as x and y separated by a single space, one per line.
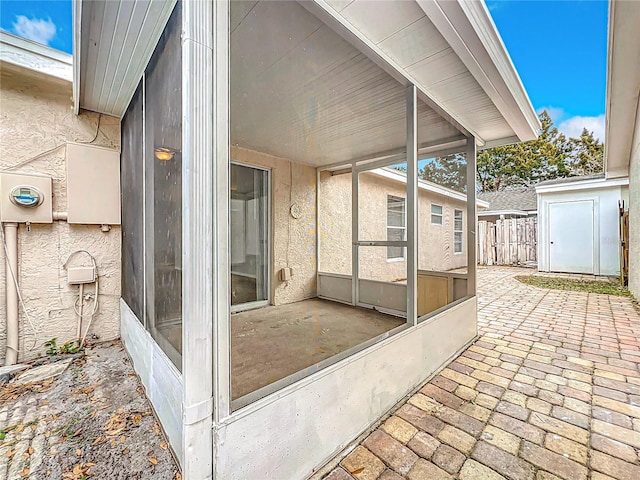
379 19
308 95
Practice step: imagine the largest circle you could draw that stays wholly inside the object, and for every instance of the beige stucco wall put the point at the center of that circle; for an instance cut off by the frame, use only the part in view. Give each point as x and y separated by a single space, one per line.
435 242
293 239
634 212
36 117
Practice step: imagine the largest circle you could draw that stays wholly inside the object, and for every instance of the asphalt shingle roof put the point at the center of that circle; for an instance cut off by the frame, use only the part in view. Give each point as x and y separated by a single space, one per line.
524 199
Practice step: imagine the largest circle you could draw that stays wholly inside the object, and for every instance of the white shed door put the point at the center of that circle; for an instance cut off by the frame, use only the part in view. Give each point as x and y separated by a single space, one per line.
571 237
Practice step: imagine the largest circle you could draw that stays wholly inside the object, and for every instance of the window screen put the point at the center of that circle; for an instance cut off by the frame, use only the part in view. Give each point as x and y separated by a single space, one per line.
457 231
436 214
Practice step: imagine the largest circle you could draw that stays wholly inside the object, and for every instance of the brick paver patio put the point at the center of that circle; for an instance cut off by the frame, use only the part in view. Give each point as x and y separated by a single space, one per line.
551 389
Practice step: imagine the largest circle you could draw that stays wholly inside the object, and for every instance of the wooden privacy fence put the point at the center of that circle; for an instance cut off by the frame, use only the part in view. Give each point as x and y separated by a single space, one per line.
508 242
624 243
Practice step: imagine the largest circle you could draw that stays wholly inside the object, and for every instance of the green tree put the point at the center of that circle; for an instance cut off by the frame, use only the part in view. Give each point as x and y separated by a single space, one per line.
587 154
527 163
449 171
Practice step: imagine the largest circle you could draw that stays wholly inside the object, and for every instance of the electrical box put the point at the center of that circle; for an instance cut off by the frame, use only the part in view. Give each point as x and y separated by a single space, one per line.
286 273
78 275
93 185
25 198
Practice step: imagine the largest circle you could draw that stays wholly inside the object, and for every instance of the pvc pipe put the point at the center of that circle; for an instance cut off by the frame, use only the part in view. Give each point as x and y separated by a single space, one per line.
60 216
11 279
81 293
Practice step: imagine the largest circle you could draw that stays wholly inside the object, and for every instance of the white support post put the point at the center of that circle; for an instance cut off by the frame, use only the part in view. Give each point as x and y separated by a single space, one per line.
472 216
221 174
412 205
197 239
355 249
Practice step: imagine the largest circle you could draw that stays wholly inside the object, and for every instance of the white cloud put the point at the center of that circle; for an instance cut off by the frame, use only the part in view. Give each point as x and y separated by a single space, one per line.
572 127
36 29
556 113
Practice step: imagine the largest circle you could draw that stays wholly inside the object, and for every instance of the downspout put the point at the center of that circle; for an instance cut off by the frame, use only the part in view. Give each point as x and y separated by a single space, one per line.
11 287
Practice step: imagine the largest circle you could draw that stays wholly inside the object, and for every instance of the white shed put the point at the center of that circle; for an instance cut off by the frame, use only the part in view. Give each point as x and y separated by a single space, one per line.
579 224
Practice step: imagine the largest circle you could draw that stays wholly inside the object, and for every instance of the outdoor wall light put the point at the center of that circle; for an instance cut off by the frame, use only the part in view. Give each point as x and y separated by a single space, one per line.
164 154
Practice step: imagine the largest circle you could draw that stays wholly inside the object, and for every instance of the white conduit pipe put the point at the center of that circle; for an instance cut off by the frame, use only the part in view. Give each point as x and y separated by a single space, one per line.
11 279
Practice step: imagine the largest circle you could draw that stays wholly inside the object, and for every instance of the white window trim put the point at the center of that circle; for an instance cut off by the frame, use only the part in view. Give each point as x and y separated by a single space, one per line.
461 232
403 258
441 215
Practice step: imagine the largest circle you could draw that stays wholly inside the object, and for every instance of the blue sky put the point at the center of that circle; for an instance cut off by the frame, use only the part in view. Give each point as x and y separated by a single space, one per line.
47 22
558 47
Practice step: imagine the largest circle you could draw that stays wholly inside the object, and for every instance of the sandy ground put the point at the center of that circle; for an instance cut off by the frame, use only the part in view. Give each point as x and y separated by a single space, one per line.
93 421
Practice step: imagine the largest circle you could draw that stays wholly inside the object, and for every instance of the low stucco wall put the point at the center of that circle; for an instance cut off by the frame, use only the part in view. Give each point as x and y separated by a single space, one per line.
634 212
37 117
293 239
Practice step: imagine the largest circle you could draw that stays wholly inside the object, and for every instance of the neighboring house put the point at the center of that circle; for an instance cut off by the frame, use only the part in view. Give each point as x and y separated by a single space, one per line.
506 204
622 129
442 221
579 224
253 135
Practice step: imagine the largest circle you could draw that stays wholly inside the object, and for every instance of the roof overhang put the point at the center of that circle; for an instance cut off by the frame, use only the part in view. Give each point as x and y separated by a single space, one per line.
520 213
451 51
24 57
623 86
425 185
583 185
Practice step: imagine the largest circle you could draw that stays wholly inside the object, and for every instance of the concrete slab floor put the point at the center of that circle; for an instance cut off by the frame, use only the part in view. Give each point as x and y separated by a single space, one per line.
271 343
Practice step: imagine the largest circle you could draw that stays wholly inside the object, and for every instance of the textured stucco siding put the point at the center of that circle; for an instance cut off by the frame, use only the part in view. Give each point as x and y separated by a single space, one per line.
634 212
435 242
293 239
37 117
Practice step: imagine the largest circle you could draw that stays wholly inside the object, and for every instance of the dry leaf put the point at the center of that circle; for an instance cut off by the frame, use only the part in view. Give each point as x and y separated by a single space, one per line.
163 445
122 439
178 476
125 451
11 453
357 471
97 440
156 427
30 450
24 472
78 452
152 460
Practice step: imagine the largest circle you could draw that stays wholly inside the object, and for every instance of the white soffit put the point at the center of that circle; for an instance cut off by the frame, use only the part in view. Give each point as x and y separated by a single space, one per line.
623 86
302 92
116 40
452 51
19 54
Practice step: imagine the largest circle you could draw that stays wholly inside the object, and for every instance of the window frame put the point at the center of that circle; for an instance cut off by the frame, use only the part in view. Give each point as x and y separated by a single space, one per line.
437 215
457 231
397 199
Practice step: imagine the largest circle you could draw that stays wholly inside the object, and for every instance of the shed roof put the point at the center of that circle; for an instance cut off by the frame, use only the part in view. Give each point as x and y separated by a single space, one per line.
581 178
524 200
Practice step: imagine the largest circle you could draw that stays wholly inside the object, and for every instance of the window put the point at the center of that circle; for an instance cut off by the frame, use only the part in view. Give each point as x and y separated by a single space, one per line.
396 226
457 231
436 214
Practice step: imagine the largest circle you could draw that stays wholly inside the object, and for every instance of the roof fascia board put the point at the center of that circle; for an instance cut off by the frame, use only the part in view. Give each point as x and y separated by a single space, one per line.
469 29
339 24
583 185
623 87
425 185
488 213
34 57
